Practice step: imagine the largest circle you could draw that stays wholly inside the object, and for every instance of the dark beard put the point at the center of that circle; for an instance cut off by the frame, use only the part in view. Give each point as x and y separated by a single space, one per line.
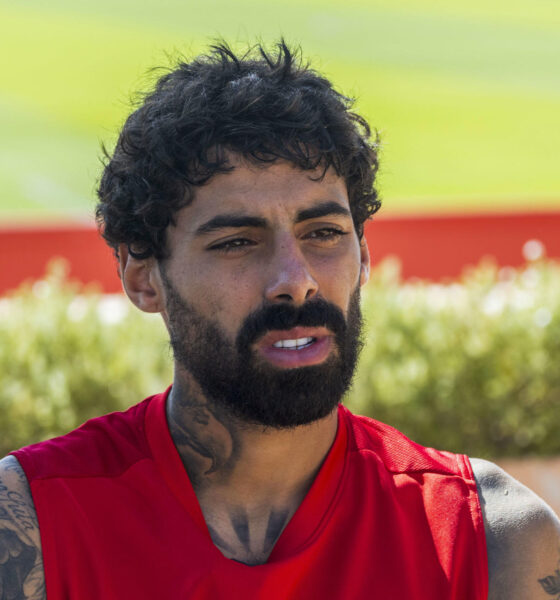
233 377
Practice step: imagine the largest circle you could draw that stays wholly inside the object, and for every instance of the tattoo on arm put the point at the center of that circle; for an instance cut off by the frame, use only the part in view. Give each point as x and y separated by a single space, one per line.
21 567
16 563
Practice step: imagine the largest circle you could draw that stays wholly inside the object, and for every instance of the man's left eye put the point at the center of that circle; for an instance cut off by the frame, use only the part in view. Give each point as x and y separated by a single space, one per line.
327 233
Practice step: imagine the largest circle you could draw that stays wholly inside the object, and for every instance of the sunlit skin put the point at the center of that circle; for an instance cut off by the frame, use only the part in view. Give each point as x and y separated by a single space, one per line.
226 272
250 237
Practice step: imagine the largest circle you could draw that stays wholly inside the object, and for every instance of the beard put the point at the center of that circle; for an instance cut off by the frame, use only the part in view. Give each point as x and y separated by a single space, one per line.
233 377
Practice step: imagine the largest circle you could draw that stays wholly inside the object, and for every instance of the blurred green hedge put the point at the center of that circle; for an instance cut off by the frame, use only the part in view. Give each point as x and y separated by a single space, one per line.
66 357
472 366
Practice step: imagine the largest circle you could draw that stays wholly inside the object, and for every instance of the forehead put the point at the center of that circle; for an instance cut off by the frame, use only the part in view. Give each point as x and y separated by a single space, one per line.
276 191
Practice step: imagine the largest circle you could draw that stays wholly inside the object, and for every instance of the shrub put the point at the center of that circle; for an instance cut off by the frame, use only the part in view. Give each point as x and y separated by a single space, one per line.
66 357
470 367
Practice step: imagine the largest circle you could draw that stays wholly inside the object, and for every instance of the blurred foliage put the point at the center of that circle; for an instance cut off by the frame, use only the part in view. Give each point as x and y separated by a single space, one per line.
470 367
464 92
67 357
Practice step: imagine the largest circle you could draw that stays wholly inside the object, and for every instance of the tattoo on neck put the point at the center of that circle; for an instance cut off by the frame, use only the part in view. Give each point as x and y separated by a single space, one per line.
551 584
205 439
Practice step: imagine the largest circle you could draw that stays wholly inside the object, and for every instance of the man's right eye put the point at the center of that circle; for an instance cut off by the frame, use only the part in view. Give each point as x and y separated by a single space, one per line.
233 245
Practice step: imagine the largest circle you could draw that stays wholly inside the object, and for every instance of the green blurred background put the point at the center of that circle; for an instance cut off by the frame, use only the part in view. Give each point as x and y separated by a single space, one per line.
465 94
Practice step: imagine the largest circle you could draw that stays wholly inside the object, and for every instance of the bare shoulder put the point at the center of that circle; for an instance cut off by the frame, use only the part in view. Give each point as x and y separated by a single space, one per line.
522 537
21 564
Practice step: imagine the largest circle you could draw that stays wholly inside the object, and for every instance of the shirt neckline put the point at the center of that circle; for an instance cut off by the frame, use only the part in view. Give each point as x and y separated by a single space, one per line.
309 518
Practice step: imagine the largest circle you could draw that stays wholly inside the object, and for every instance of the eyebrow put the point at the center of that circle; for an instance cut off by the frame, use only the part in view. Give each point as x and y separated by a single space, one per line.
225 221
239 220
324 209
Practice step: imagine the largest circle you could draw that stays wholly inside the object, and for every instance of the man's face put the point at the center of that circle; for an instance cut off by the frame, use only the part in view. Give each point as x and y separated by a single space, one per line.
262 292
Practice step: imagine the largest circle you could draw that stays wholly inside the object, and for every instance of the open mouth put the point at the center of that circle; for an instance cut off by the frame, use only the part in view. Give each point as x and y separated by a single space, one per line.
298 347
296 344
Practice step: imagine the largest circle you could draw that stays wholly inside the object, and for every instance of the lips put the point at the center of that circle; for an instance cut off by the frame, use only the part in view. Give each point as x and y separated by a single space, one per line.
297 344
297 347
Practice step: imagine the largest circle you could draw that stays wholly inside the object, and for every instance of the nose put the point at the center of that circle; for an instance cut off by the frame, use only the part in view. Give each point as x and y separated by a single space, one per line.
290 278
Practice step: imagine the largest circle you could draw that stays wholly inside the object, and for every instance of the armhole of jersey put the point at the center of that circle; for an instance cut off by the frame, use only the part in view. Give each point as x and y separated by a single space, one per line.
475 507
48 552
26 462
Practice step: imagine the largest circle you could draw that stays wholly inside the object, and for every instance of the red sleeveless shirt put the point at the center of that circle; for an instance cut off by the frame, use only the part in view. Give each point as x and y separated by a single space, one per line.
385 518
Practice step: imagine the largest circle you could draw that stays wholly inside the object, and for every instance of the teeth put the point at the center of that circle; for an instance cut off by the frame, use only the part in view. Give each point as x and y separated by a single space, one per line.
294 344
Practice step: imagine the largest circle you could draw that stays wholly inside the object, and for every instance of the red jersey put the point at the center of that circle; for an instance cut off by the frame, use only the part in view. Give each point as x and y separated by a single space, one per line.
385 518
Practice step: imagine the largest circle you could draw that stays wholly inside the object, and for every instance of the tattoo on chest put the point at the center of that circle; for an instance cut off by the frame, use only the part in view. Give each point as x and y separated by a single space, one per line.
240 524
276 522
247 542
219 541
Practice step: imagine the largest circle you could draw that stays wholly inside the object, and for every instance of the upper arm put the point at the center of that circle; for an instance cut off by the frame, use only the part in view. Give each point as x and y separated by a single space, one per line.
21 563
522 537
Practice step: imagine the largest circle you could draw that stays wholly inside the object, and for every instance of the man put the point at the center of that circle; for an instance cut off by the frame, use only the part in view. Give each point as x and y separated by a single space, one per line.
235 202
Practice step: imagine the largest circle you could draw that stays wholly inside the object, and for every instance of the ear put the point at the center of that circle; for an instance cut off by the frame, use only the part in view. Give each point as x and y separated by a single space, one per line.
364 261
141 281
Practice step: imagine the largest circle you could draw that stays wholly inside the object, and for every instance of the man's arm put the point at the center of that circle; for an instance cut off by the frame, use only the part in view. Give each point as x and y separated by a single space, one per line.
21 563
522 537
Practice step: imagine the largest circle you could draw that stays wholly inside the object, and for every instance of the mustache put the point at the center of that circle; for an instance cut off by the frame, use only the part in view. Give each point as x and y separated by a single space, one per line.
314 313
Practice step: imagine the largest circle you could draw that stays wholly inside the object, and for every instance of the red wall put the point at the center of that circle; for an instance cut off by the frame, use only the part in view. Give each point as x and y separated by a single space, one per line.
437 247
431 247
24 253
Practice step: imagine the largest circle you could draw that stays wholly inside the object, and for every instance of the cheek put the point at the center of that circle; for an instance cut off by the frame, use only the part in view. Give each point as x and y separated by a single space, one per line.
339 283
340 273
227 303
241 284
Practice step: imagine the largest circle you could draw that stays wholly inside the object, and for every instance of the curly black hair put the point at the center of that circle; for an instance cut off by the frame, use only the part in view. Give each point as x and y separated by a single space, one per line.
264 105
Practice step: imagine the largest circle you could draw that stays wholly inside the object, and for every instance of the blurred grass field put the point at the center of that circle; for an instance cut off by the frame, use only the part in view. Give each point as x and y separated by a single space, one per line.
465 94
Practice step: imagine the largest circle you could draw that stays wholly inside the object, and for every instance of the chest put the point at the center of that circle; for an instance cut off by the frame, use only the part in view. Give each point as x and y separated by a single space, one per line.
113 539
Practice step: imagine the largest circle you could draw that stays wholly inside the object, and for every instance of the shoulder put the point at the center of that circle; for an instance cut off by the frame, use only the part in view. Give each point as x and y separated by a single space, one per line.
397 452
106 445
522 536
21 564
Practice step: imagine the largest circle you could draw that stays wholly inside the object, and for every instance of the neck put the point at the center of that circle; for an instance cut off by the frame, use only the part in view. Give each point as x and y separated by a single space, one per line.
219 450
249 480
